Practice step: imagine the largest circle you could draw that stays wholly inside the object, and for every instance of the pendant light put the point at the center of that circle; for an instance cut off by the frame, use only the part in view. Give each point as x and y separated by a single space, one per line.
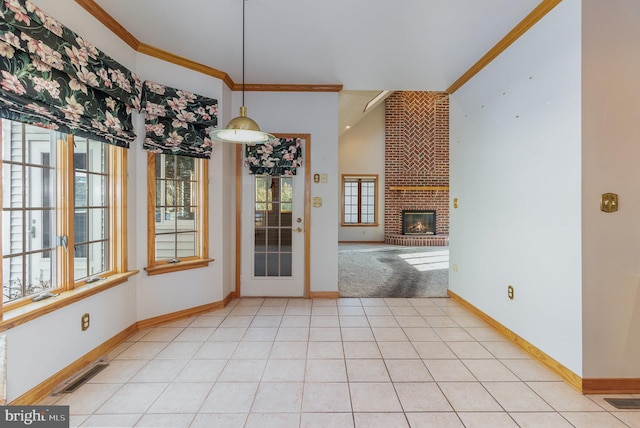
242 129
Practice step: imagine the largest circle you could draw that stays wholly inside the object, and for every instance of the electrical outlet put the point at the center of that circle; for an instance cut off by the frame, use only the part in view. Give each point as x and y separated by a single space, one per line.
510 294
84 322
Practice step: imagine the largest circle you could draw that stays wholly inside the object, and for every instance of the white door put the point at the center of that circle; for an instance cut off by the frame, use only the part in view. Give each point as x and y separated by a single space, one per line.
273 233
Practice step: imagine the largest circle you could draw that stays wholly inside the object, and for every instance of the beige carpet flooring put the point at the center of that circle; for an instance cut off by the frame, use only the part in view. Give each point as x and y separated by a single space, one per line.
380 270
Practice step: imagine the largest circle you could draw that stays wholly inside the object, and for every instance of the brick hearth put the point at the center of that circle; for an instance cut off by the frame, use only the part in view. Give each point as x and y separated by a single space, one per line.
417 241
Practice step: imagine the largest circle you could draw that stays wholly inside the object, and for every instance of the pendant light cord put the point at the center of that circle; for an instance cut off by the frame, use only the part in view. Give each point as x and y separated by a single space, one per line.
243 1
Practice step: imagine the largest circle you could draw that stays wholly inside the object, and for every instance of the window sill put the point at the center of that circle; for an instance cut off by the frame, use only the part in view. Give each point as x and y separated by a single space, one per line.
175 267
31 311
359 224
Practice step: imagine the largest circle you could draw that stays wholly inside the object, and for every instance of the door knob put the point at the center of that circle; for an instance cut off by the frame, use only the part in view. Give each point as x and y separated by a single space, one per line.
298 229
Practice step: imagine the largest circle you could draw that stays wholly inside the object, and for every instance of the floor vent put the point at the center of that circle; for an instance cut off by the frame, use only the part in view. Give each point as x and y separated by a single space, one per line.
624 403
82 379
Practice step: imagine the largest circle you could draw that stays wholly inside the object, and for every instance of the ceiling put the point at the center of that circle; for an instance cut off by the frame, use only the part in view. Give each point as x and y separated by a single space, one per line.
363 45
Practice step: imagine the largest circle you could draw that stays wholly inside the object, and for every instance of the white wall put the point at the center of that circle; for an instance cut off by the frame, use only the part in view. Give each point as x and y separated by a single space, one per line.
313 113
515 168
611 163
361 151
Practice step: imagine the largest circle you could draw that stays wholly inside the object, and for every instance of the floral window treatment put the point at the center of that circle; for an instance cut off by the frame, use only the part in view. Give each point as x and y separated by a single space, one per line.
52 77
279 157
178 122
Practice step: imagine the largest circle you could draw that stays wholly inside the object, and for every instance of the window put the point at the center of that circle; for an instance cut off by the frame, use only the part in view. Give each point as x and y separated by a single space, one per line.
359 200
178 227
60 225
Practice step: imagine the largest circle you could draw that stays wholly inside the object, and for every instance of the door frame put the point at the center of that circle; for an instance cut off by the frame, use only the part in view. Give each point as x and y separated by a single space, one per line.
306 153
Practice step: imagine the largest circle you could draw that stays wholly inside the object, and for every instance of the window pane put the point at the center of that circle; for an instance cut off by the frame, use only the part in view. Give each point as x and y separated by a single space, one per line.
176 207
97 157
186 167
98 257
81 189
97 190
98 226
165 246
28 213
80 228
24 276
169 218
186 245
13 232
169 194
169 166
159 192
12 279
185 225
80 154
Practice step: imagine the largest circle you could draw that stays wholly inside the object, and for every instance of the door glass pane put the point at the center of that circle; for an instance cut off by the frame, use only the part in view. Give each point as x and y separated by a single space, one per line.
285 240
259 264
273 264
285 264
273 206
260 243
273 241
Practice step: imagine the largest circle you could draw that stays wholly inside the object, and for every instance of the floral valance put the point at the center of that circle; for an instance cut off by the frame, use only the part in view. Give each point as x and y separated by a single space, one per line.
178 122
279 157
52 77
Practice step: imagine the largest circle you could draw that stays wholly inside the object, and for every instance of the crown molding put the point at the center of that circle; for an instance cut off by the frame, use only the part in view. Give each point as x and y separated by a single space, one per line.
270 87
184 62
523 26
116 28
108 21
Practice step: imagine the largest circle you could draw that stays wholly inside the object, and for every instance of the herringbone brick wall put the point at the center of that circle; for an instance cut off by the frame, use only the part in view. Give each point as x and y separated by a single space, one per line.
416 154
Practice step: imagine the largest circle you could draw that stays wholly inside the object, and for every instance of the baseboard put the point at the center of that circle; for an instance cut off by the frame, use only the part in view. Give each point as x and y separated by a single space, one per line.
567 375
45 388
41 391
324 294
611 386
185 313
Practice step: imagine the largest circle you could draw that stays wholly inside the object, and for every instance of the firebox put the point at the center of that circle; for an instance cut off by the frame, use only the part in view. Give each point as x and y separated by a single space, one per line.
418 222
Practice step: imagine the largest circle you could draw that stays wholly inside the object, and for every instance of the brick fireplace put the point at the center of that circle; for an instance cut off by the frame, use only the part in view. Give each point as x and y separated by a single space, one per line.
416 165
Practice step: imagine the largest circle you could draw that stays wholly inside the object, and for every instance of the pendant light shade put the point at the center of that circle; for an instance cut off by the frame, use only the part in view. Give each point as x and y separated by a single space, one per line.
242 129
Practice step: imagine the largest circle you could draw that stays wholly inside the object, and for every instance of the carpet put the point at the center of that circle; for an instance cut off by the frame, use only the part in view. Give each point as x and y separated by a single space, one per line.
380 270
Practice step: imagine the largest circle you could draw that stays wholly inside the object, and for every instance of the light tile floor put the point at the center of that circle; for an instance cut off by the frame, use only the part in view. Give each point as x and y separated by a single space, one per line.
326 363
